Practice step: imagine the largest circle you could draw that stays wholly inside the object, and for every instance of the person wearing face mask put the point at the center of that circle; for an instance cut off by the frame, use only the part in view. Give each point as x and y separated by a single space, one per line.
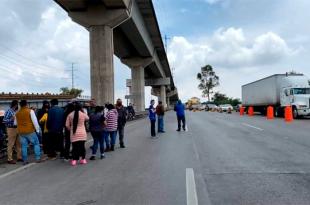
152 117
121 121
13 138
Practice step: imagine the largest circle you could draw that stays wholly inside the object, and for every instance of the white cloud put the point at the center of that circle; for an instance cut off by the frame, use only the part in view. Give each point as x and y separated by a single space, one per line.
226 50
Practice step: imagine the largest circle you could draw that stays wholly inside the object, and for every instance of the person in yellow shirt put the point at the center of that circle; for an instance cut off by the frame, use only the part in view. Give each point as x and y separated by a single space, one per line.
43 121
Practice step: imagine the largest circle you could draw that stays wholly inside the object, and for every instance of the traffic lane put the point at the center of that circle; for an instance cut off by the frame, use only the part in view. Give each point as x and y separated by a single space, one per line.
148 171
244 166
276 140
296 132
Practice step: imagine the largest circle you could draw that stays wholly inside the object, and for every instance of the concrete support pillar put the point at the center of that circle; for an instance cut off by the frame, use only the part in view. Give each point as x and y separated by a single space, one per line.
101 64
163 96
137 88
130 93
168 103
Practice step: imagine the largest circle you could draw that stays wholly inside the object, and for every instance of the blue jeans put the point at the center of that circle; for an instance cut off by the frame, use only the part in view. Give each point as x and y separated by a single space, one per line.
112 135
24 140
98 139
160 123
106 138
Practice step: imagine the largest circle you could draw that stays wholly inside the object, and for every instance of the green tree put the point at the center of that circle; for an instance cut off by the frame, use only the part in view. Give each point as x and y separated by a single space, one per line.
73 91
208 80
220 99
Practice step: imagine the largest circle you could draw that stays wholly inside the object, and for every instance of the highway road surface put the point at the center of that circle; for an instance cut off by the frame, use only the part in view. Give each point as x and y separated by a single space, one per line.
222 159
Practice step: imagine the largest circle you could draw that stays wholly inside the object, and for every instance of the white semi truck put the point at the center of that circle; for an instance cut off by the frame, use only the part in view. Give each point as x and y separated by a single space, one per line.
279 91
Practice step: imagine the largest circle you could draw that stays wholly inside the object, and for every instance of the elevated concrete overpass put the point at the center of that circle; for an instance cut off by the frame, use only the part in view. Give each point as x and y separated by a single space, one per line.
128 29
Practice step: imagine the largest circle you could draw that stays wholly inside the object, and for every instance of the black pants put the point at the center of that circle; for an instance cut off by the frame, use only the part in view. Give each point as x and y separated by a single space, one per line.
78 150
55 142
67 144
120 131
45 143
153 132
181 119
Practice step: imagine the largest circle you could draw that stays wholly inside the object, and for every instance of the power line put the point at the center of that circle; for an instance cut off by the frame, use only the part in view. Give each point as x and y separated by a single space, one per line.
28 59
11 60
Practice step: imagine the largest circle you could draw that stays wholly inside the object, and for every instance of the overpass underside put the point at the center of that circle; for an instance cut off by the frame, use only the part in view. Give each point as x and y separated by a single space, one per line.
128 29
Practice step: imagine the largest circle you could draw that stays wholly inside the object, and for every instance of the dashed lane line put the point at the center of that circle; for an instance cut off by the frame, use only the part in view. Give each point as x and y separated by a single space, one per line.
257 128
191 193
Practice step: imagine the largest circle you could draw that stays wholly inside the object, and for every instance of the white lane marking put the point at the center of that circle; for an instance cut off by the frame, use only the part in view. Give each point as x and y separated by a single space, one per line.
17 170
257 128
28 166
191 194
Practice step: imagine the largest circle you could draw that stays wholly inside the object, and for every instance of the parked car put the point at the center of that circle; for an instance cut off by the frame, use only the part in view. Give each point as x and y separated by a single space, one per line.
211 107
226 108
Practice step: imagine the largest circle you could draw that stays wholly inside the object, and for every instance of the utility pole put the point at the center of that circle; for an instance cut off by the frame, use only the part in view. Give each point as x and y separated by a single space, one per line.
166 43
72 74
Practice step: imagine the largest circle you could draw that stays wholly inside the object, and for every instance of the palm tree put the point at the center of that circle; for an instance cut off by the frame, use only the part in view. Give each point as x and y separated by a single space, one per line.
208 80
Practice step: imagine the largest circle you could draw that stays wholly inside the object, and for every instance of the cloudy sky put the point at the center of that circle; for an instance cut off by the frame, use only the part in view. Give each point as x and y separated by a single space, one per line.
243 40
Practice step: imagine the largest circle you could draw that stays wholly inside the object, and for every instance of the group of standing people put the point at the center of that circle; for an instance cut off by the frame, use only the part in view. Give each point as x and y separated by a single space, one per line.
56 129
159 111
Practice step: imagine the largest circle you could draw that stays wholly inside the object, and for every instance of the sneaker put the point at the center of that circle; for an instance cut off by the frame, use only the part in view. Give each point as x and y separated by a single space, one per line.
92 158
25 163
102 156
112 148
66 160
39 161
52 158
11 162
73 162
107 149
178 130
83 161
20 160
44 157
122 146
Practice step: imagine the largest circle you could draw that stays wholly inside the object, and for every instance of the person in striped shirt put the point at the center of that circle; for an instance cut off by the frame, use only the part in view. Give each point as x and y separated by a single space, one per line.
111 127
75 122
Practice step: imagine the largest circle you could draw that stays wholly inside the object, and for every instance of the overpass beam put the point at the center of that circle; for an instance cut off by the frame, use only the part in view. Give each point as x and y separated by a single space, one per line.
101 64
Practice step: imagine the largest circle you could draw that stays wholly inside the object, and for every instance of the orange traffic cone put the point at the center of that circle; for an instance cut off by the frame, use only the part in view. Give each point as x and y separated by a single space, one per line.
288 114
270 113
241 110
251 111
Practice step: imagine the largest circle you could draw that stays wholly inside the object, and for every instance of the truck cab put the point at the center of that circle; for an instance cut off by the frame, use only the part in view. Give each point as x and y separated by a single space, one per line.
296 93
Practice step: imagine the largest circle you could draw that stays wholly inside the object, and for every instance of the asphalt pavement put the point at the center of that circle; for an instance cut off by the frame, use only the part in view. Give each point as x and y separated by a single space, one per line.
221 159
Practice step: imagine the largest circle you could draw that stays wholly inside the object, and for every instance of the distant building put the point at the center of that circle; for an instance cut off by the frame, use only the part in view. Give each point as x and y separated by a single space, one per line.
35 99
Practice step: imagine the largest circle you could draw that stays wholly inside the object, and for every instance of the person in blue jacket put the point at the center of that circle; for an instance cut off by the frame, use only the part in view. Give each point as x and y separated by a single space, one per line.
55 126
180 111
152 116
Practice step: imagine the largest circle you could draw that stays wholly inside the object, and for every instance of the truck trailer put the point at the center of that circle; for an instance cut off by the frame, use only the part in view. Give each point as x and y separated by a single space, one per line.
279 91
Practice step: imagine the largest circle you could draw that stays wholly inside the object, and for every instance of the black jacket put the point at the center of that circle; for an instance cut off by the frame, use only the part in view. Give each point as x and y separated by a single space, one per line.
122 115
